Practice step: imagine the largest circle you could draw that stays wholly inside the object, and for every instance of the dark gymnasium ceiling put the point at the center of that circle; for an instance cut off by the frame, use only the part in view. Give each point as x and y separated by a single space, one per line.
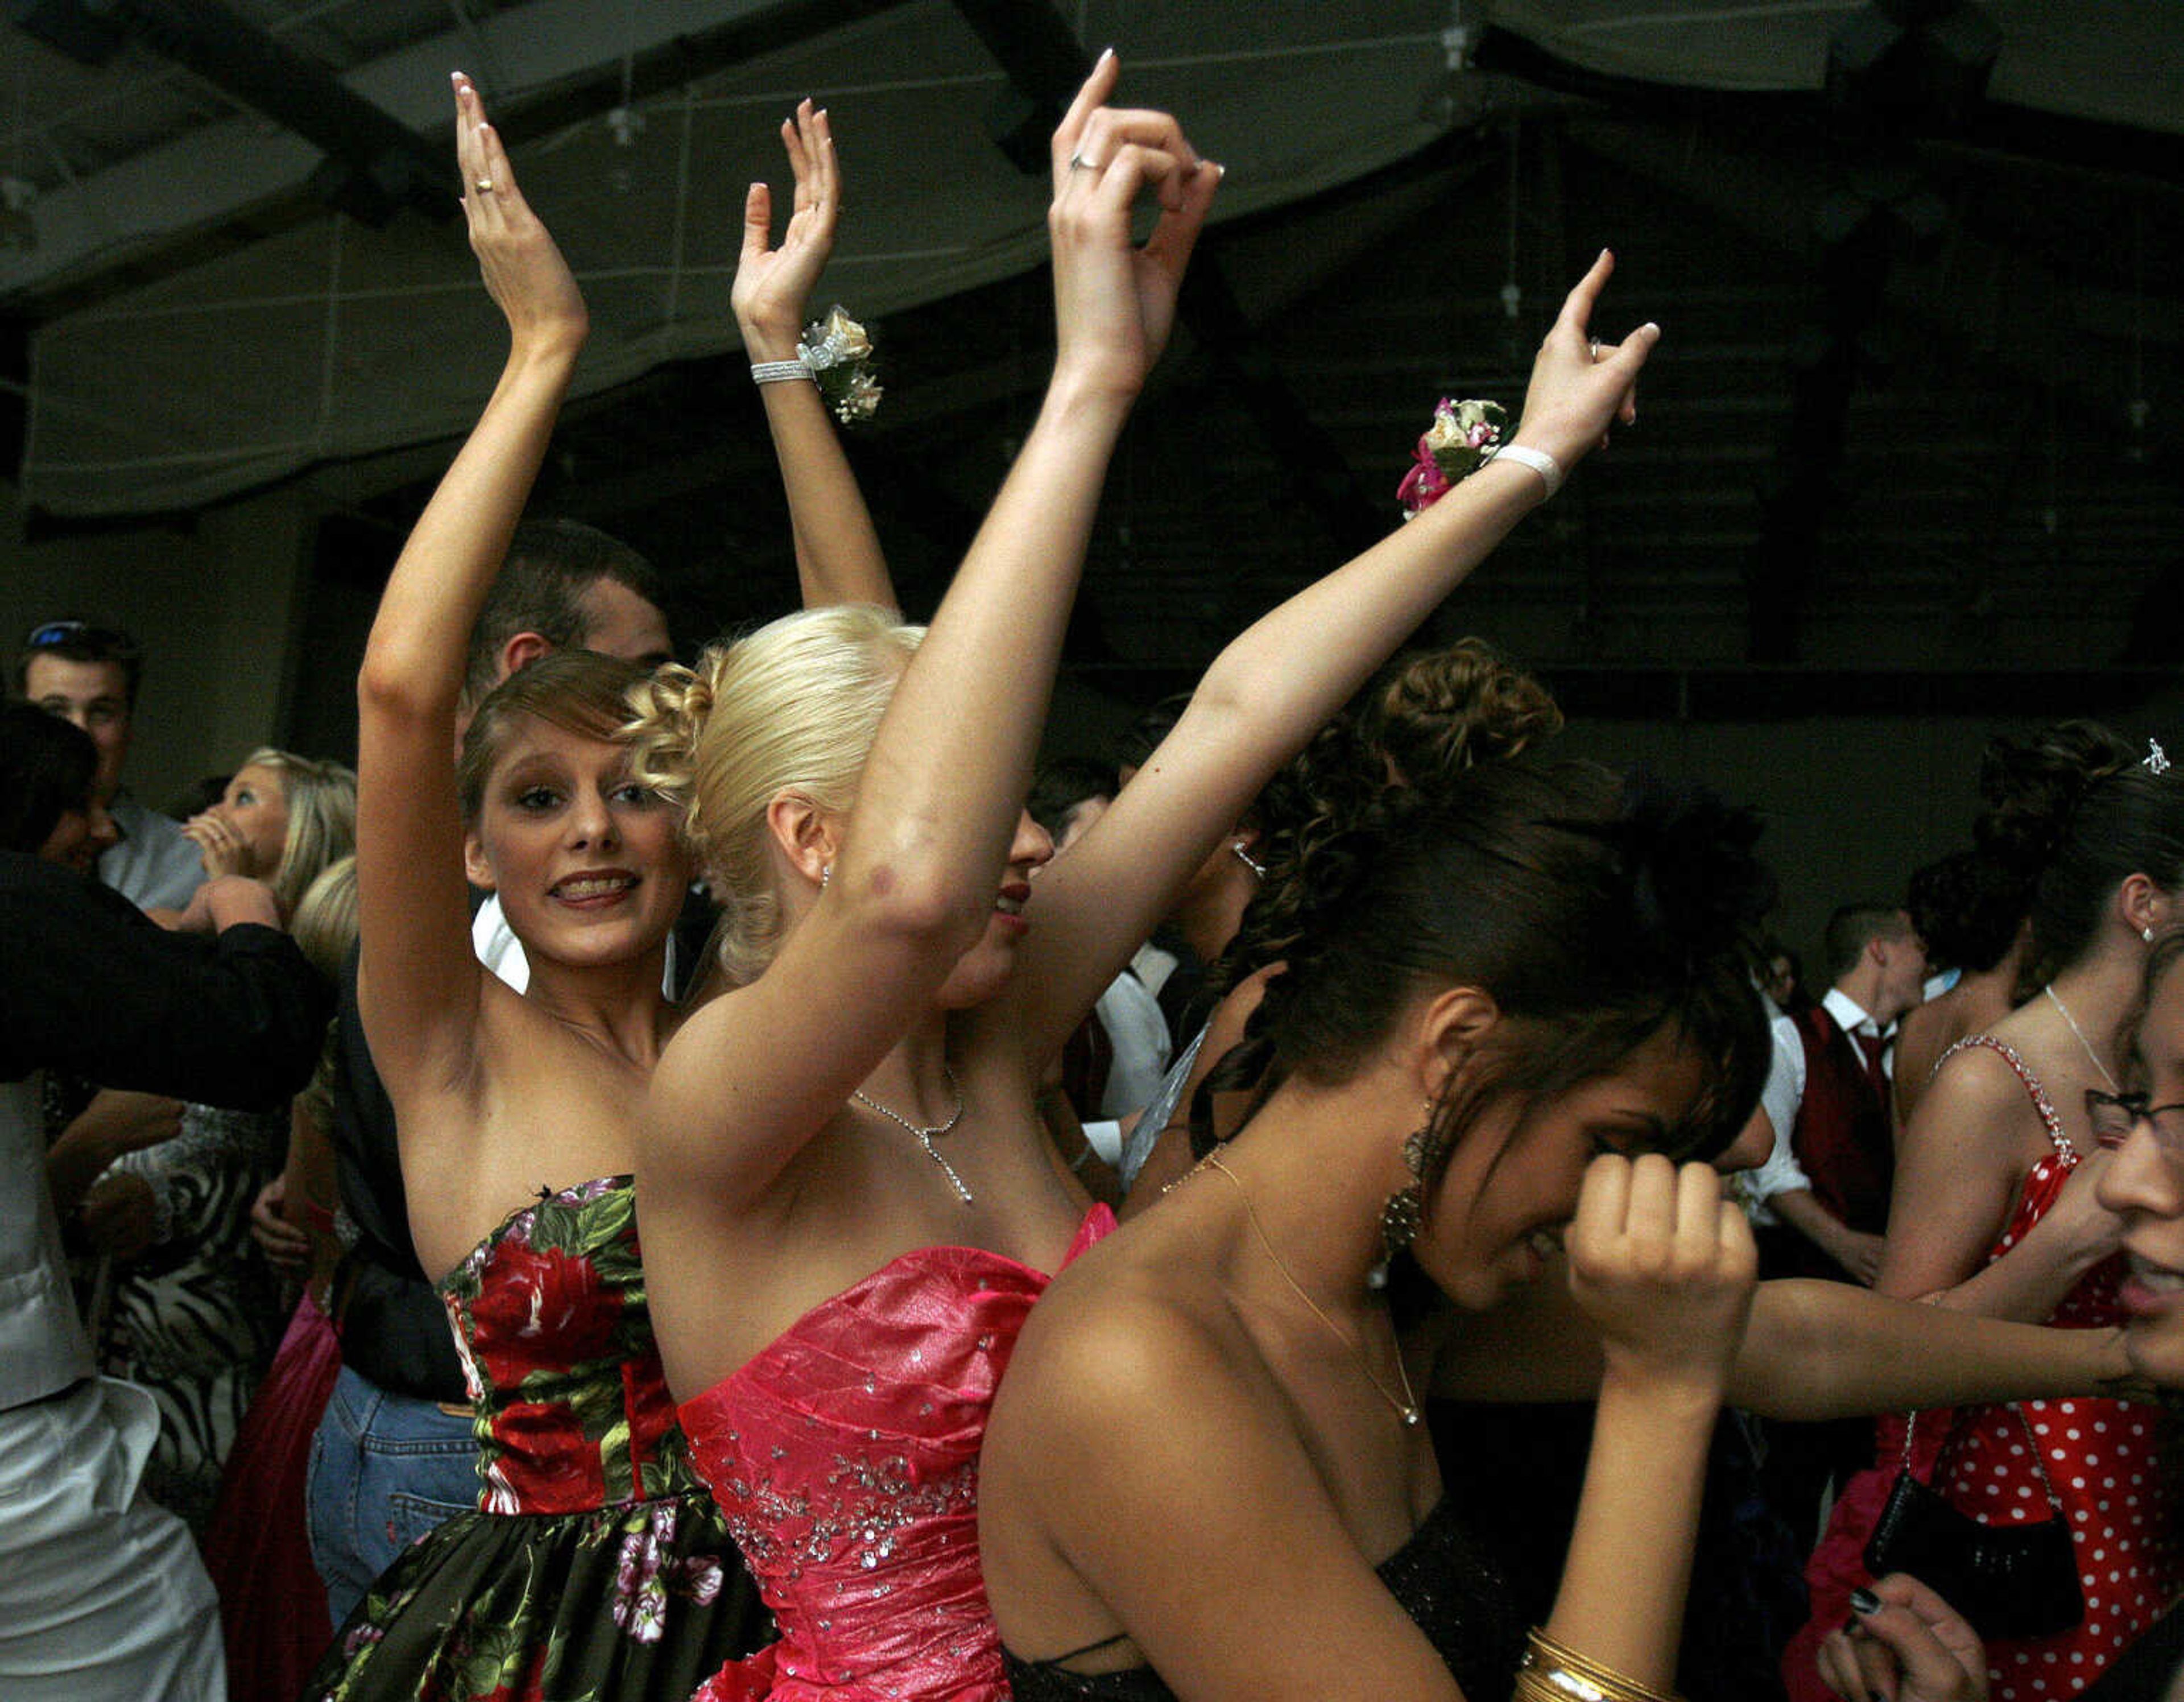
1913 439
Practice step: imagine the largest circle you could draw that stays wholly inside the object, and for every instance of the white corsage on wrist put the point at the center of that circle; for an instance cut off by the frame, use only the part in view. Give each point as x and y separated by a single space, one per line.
1463 438
837 354
834 352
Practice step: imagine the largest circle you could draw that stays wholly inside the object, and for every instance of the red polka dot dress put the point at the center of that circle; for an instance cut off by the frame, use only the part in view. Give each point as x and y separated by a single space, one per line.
2099 1458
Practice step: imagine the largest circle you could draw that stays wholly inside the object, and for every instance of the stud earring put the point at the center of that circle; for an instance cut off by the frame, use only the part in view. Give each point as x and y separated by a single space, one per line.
2146 934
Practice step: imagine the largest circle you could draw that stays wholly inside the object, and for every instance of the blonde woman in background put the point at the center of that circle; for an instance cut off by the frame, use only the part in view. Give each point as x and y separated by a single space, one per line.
194 1312
281 820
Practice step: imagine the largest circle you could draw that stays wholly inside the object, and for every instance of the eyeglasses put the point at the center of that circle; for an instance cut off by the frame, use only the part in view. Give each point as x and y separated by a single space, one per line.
2115 1115
54 633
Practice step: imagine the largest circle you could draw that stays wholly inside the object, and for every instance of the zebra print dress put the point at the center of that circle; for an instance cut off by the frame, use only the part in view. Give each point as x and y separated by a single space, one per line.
198 1318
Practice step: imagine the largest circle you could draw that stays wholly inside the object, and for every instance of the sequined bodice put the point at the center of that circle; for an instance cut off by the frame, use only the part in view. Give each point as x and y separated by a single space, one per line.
556 1343
1443 1582
845 1457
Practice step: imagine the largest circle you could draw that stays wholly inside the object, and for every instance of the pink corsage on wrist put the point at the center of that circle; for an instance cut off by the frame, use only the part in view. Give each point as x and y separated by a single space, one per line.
1463 439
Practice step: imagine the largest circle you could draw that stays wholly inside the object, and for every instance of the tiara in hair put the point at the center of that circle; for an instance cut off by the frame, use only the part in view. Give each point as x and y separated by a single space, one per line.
2156 759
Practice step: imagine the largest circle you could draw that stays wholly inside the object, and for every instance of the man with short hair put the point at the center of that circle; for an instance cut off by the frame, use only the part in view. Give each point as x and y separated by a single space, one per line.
1824 1194
89 674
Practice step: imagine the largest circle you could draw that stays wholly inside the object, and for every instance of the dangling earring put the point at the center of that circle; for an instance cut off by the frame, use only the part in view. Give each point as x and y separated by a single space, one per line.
1252 863
1405 1209
825 874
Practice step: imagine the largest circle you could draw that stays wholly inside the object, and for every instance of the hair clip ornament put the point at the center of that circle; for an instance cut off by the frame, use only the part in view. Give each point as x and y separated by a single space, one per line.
1463 438
2156 759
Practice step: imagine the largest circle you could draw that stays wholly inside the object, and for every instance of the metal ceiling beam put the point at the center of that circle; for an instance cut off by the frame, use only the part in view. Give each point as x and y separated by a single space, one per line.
222 172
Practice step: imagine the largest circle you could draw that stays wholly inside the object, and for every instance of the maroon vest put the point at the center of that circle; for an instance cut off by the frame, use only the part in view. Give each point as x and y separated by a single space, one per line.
1842 1137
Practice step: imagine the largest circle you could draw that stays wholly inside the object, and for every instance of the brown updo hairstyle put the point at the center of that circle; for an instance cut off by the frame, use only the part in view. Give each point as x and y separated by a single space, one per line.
579 691
793 707
1595 913
1423 719
2076 811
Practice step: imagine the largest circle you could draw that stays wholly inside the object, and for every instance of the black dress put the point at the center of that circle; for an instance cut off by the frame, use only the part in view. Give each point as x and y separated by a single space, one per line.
1440 1576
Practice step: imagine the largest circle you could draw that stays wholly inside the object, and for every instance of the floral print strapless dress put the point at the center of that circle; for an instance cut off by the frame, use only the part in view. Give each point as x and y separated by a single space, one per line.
845 1457
597 1567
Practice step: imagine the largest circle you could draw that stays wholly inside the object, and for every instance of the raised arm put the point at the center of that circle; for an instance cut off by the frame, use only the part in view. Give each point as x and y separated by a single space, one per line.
915 872
1812 1351
838 558
1272 688
420 984
1664 1267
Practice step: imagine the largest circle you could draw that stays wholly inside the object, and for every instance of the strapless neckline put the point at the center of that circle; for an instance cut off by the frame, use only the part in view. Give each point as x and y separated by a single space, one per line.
845 1456
937 1256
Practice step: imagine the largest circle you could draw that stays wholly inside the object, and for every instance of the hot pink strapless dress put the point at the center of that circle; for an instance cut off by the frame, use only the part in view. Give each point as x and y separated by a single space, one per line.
845 1457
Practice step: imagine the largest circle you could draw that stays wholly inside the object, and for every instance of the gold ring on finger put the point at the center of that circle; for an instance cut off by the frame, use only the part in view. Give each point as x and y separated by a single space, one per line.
485 186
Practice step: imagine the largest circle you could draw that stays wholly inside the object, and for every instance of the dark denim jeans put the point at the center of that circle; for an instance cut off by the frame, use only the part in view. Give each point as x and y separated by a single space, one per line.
385 1470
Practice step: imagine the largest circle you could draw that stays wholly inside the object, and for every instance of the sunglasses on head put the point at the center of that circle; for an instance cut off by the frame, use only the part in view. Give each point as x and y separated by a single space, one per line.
53 634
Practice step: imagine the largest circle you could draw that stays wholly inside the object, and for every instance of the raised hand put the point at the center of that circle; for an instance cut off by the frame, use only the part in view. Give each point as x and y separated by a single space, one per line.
1904 1643
773 284
1581 386
1665 1268
2079 1215
524 271
1115 300
220 848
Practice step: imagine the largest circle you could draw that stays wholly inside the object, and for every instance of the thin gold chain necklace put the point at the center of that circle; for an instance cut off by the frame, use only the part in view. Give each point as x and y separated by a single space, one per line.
1406 1408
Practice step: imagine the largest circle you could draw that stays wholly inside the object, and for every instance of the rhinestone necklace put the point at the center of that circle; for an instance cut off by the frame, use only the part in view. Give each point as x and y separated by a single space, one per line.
1406 1408
2083 1041
926 1131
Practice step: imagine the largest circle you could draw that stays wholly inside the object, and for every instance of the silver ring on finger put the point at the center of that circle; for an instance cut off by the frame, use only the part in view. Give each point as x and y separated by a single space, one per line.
1077 162
1596 349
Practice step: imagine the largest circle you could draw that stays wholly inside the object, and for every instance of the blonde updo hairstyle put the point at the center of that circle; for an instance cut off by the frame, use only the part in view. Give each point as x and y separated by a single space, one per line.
793 707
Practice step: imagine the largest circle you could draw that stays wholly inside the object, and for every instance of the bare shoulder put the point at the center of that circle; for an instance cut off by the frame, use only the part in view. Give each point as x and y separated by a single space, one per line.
1116 1340
1973 1088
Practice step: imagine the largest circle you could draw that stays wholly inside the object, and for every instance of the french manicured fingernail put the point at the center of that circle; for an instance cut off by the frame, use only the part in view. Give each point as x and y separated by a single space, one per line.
1865 1602
1106 54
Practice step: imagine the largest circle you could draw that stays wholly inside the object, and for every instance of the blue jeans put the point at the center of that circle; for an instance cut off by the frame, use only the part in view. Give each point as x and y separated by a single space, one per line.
385 1470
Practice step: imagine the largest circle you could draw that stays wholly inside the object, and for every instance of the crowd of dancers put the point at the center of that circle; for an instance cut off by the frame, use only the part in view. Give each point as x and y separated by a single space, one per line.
883 1401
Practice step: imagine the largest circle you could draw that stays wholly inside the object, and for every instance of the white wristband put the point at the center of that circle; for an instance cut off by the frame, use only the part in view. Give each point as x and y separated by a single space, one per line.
779 371
1540 462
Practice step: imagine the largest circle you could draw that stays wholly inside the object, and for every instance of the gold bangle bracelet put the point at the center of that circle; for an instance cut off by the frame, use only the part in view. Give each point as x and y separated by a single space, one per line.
1551 1672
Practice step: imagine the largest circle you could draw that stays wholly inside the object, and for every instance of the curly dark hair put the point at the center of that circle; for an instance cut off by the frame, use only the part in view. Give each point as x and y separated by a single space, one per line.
1596 913
1426 718
1968 908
